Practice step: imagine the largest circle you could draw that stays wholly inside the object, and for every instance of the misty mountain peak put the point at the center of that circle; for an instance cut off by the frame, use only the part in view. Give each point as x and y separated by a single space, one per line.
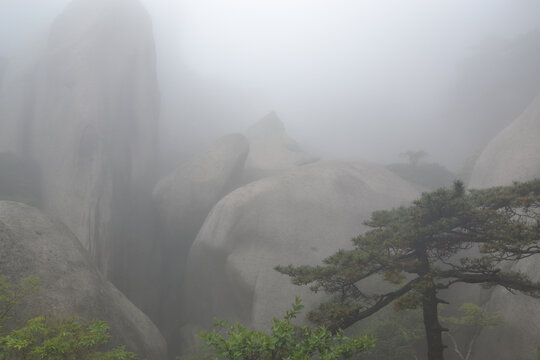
270 125
271 150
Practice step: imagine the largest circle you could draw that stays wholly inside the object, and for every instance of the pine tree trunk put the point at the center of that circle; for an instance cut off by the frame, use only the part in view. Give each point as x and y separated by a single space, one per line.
432 325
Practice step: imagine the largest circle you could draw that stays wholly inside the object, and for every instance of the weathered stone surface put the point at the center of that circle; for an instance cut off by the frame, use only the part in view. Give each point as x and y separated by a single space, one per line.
299 217
83 104
183 200
31 243
271 150
513 155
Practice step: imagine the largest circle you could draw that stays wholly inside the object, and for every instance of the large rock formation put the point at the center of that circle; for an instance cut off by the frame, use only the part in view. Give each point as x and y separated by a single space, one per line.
299 217
31 243
84 105
513 155
271 150
183 200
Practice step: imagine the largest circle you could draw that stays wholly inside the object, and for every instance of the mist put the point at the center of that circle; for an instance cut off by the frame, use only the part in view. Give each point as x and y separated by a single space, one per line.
350 79
170 154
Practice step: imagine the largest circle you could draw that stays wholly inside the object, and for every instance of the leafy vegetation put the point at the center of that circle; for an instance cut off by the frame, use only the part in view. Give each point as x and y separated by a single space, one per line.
399 335
46 337
446 237
11 294
285 341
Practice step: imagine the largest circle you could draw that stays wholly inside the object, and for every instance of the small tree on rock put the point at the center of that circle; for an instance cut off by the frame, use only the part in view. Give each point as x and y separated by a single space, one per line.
421 250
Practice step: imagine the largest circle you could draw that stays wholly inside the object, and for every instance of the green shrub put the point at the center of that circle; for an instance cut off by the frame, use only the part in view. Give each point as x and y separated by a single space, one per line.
284 341
46 337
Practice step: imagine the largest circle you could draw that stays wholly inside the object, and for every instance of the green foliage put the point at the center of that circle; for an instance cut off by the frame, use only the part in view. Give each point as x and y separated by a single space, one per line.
399 335
420 250
474 317
45 337
285 341
11 295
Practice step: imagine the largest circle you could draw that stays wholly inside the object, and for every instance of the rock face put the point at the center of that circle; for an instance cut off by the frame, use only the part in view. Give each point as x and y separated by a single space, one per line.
513 155
183 200
33 244
271 150
299 217
84 106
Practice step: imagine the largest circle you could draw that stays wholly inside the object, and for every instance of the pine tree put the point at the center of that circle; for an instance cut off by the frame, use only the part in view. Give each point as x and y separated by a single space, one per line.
446 237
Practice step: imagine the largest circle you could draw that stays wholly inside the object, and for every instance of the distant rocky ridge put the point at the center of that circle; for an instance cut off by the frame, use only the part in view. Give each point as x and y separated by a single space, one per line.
513 155
31 243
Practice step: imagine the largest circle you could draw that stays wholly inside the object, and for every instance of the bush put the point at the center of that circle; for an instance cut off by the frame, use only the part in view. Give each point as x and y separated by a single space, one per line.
285 341
46 337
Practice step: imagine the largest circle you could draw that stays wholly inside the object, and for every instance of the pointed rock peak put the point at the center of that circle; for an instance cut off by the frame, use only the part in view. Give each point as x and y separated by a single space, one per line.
270 125
271 150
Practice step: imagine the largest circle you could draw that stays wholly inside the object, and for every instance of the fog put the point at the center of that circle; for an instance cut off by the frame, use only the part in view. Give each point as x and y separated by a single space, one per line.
350 79
136 126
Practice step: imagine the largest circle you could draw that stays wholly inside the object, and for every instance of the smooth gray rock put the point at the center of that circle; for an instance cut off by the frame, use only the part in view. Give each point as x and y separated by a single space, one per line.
183 200
299 217
271 150
83 104
513 155
31 243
